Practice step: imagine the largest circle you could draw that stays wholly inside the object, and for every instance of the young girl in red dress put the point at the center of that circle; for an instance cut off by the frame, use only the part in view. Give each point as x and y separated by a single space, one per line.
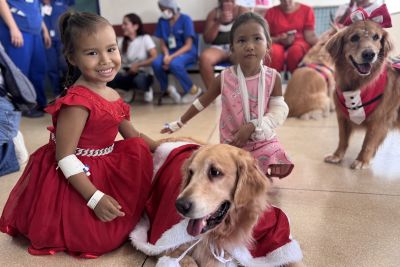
83 192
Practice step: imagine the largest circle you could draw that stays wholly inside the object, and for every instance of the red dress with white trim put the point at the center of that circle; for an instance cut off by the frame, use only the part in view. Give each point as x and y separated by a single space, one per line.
47 210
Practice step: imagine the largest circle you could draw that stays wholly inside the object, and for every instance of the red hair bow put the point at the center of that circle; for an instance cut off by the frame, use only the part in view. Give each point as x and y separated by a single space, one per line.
380 15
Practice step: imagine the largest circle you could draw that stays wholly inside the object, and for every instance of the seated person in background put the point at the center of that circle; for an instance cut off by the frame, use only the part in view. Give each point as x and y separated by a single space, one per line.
344 10
177 41
292 27
138 51
217 29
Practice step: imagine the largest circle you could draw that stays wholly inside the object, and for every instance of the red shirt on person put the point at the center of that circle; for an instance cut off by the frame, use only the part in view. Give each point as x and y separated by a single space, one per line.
280 22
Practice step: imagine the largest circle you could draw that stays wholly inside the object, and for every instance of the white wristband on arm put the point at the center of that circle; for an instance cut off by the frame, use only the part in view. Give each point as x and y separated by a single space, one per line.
174 126
95 199
198 105
71 165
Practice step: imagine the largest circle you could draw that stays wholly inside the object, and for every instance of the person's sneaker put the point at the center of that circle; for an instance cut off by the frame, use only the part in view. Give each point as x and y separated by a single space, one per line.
33 113
194 93
173 93
128 96
148 96
20 149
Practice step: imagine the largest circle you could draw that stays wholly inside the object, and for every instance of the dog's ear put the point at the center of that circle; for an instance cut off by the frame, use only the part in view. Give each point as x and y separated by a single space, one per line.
335 44
186 173
251 182
386 45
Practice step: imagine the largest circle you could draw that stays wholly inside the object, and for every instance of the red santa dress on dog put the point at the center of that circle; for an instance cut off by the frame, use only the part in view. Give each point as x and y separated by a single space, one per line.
162 228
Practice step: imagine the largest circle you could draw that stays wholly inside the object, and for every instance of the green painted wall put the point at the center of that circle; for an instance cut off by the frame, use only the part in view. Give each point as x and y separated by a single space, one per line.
87 5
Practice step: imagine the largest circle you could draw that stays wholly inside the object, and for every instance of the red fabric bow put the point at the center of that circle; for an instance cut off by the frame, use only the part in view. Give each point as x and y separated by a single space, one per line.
380 15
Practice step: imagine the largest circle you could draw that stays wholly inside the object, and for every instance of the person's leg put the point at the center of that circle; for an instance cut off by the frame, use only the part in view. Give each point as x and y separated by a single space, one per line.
9 124
295 54
122 81
52 69
160 73
277 60
125 82
37 69
208 59
178 69
142 81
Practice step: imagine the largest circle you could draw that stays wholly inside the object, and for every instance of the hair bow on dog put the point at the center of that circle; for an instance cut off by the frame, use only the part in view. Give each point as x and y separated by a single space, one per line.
380 15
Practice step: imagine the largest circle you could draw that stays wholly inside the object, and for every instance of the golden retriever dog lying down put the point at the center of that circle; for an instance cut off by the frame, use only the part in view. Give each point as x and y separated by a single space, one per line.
310 88
367 87
208 207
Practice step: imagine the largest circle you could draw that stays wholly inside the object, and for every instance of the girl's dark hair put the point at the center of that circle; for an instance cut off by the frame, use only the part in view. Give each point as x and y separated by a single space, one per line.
247 17
134 19
72 25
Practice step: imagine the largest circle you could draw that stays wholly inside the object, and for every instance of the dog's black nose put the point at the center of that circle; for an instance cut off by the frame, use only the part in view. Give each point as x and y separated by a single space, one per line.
183 205
368 55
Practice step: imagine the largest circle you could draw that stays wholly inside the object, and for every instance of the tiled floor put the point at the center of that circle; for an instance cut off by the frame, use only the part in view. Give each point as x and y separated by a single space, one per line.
341 217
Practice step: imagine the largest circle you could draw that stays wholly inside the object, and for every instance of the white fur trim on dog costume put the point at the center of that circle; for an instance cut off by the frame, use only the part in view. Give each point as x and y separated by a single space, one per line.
162 152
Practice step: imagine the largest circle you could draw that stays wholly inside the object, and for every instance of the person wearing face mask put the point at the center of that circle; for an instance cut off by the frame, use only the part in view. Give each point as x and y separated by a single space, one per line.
178 50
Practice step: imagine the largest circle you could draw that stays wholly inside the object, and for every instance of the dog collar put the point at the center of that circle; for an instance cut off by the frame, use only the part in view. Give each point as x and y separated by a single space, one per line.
320 68
357 105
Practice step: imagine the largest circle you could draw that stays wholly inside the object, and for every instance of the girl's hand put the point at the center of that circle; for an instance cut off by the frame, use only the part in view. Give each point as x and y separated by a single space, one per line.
108 209
16 37
243 135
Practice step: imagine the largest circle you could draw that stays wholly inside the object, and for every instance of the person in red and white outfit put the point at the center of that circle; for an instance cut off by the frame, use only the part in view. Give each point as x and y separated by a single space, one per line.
292 27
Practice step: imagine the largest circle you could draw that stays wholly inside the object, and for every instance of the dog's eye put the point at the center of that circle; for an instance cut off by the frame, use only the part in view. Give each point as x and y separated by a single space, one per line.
375 37
213 172
355 38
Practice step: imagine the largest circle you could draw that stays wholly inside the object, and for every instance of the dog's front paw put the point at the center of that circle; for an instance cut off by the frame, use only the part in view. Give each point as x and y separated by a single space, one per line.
333 159
359 165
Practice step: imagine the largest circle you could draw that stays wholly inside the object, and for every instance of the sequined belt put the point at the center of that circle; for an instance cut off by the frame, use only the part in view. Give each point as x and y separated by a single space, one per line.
88 152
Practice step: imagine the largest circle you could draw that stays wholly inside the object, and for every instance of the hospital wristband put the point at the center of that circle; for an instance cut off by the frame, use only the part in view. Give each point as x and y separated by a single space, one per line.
94 200
198 105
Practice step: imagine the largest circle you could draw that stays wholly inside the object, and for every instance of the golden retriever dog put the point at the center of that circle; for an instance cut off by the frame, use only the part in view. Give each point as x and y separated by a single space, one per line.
360 53
223 195
311 86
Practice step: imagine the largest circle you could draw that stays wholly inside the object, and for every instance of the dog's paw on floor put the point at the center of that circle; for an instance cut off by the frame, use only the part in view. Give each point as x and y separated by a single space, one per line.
333 159
359 165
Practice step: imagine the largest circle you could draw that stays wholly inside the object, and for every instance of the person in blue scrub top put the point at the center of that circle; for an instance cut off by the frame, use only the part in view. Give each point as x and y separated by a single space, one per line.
178 46
56 65
24 35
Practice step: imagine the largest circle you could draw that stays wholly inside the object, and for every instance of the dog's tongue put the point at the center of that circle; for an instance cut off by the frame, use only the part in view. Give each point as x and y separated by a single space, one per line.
364 68
195 226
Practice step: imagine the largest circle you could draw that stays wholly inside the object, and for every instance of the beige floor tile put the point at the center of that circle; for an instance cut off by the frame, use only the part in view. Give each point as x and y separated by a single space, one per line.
341 217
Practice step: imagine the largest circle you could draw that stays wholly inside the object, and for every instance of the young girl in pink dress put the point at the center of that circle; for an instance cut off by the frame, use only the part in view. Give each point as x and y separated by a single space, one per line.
252 102
83 192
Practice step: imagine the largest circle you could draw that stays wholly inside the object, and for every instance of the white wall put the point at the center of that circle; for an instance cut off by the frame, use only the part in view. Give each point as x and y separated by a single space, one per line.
394 33
148 10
